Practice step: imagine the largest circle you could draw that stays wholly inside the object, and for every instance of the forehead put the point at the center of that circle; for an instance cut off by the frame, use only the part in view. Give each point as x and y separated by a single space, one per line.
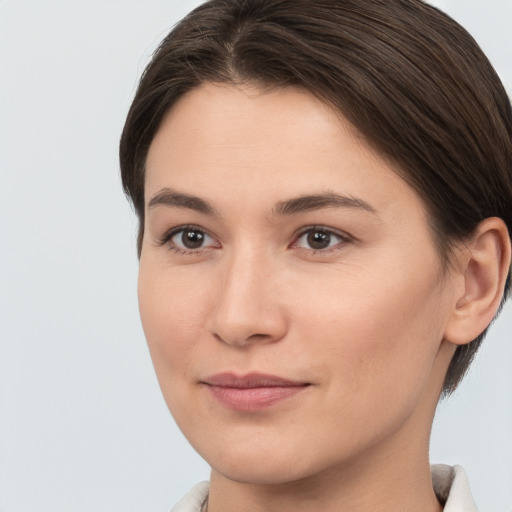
226 140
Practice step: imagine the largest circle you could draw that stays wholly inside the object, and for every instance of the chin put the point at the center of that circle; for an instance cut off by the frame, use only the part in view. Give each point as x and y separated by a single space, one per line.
260 472
266 463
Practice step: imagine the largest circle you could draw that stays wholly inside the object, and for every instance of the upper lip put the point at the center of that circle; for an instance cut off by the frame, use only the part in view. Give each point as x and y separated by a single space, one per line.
250 380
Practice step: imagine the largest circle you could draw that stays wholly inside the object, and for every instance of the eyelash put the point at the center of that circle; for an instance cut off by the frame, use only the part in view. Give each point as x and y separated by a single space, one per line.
343 237
170 234
166 239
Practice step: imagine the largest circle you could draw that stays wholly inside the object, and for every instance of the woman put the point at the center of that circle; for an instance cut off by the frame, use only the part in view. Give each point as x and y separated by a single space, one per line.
325 201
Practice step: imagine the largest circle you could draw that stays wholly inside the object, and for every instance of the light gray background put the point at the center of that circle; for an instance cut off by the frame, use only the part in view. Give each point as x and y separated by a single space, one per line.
82 423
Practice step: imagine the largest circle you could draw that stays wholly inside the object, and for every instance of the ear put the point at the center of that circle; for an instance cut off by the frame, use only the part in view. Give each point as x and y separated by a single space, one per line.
484 265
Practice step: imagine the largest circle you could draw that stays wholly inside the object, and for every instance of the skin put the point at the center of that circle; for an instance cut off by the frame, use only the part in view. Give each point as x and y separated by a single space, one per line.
363 321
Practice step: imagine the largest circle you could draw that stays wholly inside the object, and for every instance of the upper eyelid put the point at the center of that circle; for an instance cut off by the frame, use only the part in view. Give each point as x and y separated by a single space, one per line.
168 234
166 241
342 234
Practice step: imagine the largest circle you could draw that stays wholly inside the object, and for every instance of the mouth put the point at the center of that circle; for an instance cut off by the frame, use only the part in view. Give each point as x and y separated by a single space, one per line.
251 392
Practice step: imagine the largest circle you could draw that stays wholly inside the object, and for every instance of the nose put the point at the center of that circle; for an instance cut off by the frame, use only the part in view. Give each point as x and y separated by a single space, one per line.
248 306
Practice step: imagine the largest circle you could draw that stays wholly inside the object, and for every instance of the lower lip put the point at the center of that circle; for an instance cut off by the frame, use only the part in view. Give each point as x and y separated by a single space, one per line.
253 399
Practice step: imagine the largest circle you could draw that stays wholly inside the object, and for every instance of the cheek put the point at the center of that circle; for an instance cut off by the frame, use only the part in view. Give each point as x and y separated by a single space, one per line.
374 333
172 315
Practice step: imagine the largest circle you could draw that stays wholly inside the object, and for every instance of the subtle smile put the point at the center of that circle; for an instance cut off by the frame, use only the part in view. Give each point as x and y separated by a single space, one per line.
251 392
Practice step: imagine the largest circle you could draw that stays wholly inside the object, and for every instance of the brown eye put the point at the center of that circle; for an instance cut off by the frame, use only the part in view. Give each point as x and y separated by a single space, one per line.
191 239
319 239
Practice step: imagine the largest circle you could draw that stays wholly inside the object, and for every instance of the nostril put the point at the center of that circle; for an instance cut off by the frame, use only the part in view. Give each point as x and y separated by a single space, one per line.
243 340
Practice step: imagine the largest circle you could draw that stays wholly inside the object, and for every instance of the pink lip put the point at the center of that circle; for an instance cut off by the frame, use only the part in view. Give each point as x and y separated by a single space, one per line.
253 391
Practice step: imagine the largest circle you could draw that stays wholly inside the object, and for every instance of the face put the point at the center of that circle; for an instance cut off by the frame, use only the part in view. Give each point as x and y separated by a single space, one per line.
289 288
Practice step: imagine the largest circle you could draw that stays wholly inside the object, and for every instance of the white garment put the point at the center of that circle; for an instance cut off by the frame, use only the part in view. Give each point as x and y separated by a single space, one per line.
450 484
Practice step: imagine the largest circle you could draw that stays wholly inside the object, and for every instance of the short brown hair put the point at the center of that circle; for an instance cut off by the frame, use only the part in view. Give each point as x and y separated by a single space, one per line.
412 81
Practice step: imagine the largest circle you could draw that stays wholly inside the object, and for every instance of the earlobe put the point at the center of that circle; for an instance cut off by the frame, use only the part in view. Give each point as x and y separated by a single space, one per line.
484 263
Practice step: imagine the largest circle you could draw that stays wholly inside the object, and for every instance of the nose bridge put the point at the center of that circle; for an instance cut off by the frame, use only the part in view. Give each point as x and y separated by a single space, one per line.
247 308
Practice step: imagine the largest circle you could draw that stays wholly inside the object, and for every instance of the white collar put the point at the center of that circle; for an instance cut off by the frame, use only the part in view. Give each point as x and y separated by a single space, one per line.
194 500
450 485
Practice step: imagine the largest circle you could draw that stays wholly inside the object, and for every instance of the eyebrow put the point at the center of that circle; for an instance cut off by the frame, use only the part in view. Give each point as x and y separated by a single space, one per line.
169 197
306 203
318 201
